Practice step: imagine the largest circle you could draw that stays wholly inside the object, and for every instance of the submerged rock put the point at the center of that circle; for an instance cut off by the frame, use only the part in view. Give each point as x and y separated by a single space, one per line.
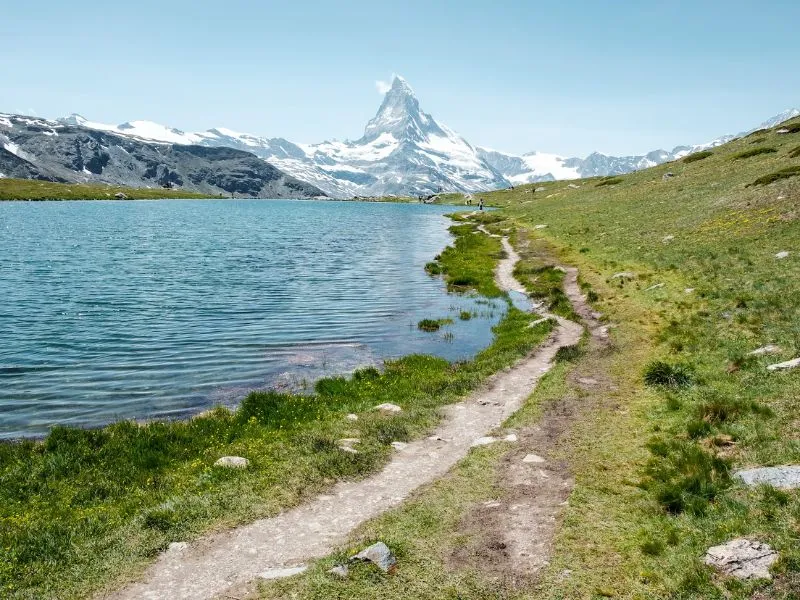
741 558
232 462
786 477
379 555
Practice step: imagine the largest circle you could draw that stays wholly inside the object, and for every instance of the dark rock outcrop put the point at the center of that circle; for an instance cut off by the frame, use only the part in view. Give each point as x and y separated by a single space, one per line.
38 149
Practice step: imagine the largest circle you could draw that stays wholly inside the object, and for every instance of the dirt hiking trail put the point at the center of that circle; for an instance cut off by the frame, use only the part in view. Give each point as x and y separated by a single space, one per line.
227 564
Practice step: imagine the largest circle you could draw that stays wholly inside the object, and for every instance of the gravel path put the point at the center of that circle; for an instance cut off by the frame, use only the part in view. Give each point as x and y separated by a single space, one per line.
223 564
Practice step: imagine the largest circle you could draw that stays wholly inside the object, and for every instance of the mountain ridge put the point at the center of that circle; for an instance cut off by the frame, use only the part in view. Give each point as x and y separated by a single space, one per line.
406 151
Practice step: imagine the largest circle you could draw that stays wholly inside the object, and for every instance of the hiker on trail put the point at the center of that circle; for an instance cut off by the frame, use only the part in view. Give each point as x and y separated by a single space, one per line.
480 204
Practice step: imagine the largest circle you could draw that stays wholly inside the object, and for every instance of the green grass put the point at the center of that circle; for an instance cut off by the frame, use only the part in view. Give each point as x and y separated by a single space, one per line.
697 156
32 189
685 405
84 508
609 181
468 263
786 173
794 152
433 324
753 152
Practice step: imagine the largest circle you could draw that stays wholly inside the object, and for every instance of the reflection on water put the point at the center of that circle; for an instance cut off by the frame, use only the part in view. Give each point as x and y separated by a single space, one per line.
162 309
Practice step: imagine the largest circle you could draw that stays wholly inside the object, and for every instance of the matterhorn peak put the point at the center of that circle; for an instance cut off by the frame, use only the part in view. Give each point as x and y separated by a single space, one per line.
401 116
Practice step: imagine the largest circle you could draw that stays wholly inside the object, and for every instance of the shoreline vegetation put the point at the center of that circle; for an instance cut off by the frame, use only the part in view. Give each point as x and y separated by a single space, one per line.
83 509
694 270
21 190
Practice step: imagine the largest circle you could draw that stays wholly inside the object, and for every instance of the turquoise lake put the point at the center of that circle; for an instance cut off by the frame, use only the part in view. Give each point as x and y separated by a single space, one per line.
162 309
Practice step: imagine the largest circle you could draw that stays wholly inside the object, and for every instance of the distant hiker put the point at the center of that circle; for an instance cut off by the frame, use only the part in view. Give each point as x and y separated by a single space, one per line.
480 204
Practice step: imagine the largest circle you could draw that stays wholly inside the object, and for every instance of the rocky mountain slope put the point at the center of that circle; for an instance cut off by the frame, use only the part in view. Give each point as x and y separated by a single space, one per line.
538 166
34 148
403 151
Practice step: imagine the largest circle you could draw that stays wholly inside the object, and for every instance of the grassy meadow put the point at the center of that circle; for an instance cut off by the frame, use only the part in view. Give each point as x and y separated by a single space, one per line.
83 510
33 189
684 270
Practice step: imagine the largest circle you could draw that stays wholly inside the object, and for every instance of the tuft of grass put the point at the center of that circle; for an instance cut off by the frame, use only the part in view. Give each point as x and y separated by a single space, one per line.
753 152
465 315
609 181
660 373
683 476
777 176
569 353
697 156
794 152
431 325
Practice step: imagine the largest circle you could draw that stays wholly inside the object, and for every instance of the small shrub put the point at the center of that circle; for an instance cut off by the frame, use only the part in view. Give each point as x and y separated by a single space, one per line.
609 181
428 325
568 353
777 175
465 315
431 325
660 373
592 296
683 476
652 548
753 152
697 156
433 268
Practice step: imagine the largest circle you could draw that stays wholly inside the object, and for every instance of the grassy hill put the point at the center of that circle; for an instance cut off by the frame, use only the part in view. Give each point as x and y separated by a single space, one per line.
32 189
681 261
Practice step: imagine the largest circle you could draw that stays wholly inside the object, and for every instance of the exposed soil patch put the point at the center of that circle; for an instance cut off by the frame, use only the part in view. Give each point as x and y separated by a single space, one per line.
512 535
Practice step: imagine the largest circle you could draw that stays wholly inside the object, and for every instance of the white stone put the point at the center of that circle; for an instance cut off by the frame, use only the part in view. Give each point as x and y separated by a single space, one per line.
768 349
655 287
789 364
176 547
743 559
688 290
542 226
572 186
782 254
511 437
668 238
281 572
533 458
399 445
483 441
387 407
340 571
786 477
232 462
352 417
623 275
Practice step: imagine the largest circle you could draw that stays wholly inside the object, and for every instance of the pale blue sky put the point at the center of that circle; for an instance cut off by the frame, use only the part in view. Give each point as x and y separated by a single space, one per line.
516 75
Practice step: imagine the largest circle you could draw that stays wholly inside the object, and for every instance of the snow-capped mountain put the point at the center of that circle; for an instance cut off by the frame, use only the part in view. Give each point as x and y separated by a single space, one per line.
403 151
538 166
406 151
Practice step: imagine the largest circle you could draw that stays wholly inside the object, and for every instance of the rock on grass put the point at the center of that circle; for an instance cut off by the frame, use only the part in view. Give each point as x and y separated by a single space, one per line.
743 559
379 555
232 462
